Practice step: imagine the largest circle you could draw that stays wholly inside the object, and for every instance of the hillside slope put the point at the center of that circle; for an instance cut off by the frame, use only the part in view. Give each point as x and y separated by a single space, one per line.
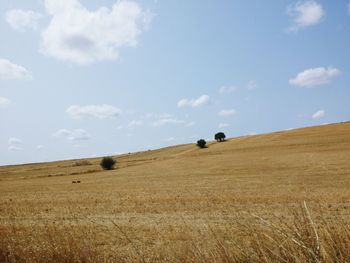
303 163
319 150
183 203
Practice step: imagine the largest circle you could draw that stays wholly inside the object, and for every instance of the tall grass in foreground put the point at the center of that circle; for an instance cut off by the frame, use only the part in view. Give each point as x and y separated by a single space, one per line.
299 237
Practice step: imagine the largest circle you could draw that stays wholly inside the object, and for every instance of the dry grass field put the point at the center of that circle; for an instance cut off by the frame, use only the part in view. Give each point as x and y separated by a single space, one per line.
280 197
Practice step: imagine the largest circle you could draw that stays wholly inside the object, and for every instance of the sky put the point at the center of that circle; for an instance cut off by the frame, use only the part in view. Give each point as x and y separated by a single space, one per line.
83 79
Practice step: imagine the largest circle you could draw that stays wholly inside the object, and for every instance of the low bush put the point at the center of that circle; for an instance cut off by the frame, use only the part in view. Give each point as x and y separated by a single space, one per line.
201 143
108 163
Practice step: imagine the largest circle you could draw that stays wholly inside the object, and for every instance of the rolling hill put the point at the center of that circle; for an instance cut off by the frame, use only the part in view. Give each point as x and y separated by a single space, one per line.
183 203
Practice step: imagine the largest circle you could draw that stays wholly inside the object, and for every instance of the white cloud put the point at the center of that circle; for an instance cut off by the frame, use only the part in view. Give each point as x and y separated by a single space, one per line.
183 103
226 113
223 125
227 89
305 14
314 77
202 100
22 19
14 144
318 114
194 103
72 135
40 147
14 148
252 85
82 36
62 133
135 123
166 121
95 111
14 141
9 71
4 102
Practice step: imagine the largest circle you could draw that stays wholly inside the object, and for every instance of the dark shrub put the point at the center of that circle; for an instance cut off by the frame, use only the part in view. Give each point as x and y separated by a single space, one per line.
107 163
220 136
201 143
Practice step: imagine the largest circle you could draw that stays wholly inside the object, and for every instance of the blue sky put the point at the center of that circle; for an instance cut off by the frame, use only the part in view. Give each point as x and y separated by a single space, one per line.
92 78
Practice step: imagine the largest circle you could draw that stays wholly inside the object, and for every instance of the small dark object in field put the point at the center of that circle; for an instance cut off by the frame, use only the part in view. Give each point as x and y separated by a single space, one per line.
107 163
201 143
220 136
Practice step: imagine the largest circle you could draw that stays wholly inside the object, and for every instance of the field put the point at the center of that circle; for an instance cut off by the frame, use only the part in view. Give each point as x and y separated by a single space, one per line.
280 197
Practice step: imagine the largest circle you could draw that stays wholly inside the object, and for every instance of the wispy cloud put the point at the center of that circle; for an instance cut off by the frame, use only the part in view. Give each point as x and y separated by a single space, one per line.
162 122
194 103
227 89
318 114
223 125
83 36
21 20
73 135
135 123
228 112
14 144
14 148
12 71
313 77
190 124
252 85
4 102
14 141
150 115
305 14
93 111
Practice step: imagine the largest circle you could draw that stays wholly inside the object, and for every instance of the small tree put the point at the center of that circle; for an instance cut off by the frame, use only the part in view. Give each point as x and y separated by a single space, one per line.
220 136
201 143
107 163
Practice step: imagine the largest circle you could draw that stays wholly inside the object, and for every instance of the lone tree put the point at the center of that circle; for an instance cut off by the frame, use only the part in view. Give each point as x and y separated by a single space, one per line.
201 143
220 136
107 163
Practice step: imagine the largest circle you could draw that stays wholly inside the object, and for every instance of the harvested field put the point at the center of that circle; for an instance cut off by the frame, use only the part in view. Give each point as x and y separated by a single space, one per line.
280 197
